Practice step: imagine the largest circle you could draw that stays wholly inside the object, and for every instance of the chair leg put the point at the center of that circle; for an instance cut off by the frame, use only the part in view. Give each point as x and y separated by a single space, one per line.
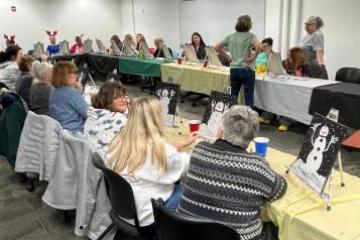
31 185
107 230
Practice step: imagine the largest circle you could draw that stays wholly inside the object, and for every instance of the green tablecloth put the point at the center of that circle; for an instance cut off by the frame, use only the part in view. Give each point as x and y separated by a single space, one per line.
195 78
138 66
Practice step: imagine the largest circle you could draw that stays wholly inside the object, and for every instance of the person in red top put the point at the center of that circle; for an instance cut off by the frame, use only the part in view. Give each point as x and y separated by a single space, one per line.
78 46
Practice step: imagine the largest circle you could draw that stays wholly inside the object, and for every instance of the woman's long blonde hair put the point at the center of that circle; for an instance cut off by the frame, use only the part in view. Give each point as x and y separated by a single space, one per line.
142 133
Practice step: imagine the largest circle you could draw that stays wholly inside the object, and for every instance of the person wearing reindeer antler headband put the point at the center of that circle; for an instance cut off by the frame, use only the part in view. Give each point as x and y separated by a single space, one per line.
52 48
78 46
9 40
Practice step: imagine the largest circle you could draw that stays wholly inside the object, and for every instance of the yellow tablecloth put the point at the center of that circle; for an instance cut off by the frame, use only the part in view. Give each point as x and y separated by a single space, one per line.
301 214
195 78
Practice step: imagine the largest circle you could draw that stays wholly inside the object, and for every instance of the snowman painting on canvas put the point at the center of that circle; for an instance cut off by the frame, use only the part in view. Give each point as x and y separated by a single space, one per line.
168 94
320 145
217 105
319 152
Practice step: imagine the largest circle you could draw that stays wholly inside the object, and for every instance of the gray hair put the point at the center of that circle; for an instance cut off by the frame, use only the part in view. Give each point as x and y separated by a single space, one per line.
38 69
317 20
240 125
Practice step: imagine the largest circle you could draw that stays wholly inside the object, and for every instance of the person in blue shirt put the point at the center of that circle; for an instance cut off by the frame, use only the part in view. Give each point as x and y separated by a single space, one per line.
66 104
52 48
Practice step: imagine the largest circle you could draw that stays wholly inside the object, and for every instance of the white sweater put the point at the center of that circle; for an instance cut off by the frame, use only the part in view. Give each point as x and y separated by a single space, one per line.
149 183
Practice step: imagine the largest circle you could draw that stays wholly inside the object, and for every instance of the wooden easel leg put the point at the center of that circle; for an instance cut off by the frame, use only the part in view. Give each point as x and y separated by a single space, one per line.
341 170
328 207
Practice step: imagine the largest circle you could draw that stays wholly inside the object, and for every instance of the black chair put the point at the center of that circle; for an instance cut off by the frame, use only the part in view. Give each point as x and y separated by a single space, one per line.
122 206
348 74
171 225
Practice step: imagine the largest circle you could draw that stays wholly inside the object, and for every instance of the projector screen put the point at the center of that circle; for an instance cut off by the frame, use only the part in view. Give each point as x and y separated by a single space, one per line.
215 19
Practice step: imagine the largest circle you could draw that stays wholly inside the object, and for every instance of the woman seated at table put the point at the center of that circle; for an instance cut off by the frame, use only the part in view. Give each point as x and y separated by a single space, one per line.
10 71
24 81
198 43
296 63
159 52
117 41
41 88
78 46
227 183
66 105
140 39
106 116
140 154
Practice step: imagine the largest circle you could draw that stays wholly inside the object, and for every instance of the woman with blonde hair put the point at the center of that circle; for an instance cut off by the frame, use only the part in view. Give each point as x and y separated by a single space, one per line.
142 156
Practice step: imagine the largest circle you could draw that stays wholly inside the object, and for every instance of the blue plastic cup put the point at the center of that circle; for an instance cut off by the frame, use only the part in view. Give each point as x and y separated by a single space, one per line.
261 145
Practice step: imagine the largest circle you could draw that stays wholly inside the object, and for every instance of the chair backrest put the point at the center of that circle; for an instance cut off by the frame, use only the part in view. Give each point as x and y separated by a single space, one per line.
119 191
171 225
347 74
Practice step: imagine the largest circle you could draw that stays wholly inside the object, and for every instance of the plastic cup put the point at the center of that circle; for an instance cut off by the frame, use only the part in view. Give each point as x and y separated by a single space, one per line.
206 63
194 125
261 145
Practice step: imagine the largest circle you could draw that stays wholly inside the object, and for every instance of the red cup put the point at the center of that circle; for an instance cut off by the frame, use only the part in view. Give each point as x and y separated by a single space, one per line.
179 61
194 125
206 63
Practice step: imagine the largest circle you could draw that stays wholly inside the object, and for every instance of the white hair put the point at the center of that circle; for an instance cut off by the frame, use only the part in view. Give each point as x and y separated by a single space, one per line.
240 125
38 69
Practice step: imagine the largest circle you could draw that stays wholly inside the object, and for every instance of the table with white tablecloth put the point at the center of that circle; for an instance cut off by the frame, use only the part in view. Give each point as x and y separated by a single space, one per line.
287 96
282 95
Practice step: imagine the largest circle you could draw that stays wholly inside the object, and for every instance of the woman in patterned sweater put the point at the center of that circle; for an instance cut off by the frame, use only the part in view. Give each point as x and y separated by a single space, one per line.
226 183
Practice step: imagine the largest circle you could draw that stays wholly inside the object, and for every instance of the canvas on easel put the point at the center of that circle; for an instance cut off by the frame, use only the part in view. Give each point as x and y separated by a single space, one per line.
145 50
64 47
88 46
212 56
100 46
168 94
127 50
114 49
319 152
165 50
38 49
190 53
218 103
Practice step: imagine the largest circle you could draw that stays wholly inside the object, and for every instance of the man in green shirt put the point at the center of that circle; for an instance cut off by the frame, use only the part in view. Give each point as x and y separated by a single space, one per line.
243 47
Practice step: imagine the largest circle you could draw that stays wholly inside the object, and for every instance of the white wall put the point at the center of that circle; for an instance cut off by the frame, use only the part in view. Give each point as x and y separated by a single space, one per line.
153 18
340 31
96 18
176 20
215 19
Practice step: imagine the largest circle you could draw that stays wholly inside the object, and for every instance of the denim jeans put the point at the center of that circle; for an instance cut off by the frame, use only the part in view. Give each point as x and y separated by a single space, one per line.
173 201
246 77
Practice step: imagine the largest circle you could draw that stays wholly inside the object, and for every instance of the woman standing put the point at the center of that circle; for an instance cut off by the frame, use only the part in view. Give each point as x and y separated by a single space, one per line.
243 47
313 44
